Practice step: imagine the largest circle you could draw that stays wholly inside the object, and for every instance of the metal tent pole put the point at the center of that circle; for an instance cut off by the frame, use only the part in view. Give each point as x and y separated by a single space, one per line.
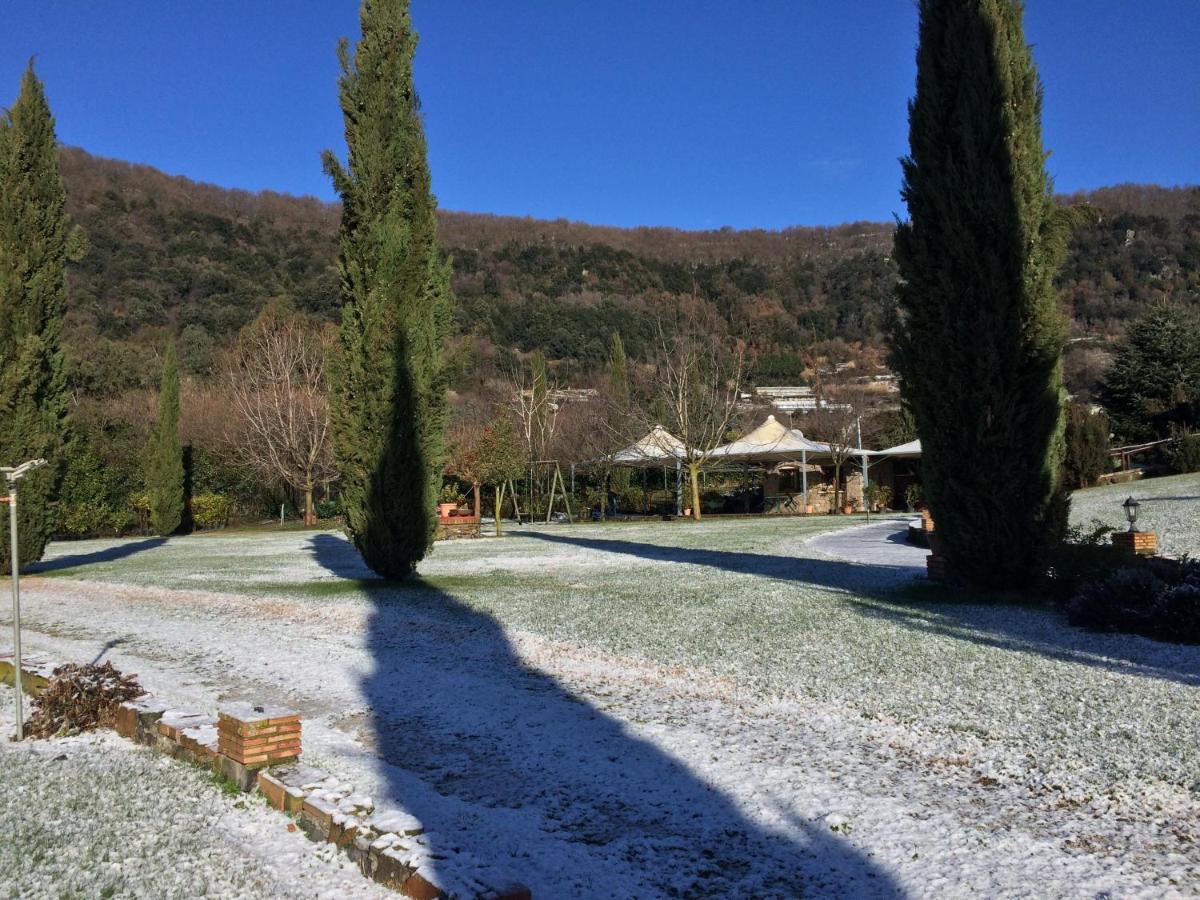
678 488
804 477
14 562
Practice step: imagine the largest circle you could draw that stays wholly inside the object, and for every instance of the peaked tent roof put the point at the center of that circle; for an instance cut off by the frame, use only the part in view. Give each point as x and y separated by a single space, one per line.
656 448
911 450
772 441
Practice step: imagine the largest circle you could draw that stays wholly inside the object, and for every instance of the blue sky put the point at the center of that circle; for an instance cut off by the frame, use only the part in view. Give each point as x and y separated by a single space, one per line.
692 113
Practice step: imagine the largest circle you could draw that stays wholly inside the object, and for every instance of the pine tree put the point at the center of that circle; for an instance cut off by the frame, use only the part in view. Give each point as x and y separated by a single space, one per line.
979 337
388 378
34 244
1152 388
164 462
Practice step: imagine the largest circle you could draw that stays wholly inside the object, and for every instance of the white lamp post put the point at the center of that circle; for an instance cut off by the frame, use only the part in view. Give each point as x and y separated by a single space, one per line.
13 475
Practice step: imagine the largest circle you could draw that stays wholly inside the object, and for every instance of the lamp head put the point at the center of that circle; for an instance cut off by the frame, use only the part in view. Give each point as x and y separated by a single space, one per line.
1131 512
13 474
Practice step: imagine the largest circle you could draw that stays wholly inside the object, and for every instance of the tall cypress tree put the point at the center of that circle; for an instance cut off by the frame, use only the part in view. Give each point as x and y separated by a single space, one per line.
388 375
978 341
34 242
618 387
164 462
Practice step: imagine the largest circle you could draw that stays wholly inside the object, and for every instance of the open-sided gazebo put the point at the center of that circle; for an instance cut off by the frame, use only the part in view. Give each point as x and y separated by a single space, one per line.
772 443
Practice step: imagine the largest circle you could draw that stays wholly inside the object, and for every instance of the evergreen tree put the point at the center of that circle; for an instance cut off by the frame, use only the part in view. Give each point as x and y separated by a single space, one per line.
1153 386
34 244
1087 446
979 337
164 462
388 378
618 388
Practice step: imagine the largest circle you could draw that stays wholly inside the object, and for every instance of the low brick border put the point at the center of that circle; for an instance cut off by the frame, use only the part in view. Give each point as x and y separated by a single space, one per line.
326 810
383 843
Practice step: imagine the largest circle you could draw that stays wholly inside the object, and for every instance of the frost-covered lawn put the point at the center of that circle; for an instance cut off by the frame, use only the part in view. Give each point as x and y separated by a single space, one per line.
96 816
698 709
1169 506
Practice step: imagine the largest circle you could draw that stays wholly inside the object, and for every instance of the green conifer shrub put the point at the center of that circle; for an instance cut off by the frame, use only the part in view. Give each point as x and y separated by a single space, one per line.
164 460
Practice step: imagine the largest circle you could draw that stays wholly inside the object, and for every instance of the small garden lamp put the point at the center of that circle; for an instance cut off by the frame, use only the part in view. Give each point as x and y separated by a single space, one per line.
1131 512
13 475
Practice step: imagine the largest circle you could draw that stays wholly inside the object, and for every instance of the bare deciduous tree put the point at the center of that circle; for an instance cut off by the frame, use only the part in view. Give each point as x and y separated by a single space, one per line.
536 412
699 378
838 421
277 385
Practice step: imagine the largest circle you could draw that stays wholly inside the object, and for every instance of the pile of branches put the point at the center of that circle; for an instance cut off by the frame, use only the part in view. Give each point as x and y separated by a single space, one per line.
80 698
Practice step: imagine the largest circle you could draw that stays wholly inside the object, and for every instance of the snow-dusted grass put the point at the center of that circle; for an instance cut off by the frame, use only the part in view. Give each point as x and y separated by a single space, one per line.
95 816
797 684
1169 506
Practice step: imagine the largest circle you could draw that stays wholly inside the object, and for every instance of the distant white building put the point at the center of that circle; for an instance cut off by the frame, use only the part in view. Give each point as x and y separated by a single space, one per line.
790 398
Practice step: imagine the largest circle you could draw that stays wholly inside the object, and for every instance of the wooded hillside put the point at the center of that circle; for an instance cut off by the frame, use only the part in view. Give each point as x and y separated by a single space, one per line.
167 253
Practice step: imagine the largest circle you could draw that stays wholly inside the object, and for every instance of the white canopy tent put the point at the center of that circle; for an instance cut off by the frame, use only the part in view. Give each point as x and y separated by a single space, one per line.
911 450
659 448
774 442
655 449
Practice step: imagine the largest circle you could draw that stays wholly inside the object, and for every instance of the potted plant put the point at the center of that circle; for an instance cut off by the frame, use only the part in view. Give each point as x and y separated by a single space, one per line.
913 497
877 496
449 501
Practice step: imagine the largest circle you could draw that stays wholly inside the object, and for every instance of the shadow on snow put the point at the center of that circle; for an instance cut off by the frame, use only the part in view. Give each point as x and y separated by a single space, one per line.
108 554
489 752
876 591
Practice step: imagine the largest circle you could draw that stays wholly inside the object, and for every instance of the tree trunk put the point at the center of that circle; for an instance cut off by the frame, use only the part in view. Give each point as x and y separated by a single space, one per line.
499 507
694 472
310 515
475 492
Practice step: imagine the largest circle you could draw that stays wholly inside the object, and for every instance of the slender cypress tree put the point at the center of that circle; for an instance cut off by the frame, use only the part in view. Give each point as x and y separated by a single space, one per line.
618 387
388 375
978 341
34 242
164 463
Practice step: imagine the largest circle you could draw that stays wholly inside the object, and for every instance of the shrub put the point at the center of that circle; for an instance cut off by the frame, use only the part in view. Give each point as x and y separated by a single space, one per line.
1086 446
913 496
877 495
80 698
1083 557
593 498
211 510
1183 455
79 520
91 501
630 498
1161 604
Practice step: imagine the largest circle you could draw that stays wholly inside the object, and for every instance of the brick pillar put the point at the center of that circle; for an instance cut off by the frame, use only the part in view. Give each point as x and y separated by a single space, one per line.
1136 543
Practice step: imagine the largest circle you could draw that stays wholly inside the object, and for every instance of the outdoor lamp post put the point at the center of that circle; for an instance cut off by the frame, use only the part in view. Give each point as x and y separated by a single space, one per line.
1131 512
13 475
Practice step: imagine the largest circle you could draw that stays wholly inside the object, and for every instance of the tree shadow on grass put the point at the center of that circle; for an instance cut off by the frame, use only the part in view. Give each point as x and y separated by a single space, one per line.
499 759
108 554
807 570
890 593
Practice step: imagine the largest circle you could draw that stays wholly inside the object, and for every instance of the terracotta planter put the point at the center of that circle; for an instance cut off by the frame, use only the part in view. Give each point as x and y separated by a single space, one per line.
446 510
809 510
847 510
